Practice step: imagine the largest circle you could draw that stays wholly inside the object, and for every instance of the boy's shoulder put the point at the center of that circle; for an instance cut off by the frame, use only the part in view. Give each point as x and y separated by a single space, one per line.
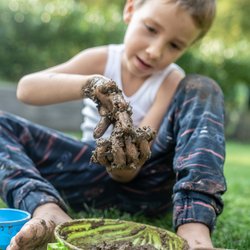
103 50
97 57
92 60
99 52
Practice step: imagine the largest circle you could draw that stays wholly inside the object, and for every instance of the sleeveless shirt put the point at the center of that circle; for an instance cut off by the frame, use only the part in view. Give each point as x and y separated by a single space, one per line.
140 101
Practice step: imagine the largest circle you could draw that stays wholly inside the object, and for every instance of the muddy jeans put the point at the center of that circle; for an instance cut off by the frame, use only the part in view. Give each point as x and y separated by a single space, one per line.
40 165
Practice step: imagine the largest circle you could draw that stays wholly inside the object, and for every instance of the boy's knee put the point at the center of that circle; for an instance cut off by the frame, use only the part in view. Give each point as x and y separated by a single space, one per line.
201 85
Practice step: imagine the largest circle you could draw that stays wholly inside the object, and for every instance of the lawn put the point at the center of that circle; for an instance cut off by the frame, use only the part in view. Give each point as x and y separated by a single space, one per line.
233 225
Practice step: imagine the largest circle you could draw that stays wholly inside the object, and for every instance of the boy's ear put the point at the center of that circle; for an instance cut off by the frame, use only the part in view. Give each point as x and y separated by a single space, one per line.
128 11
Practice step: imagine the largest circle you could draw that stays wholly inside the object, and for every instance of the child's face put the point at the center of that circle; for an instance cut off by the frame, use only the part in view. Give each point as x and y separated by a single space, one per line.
158 33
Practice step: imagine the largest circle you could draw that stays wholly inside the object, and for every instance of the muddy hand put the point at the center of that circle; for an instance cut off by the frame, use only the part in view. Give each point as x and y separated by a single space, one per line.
111 104
124 150
34 235
128 147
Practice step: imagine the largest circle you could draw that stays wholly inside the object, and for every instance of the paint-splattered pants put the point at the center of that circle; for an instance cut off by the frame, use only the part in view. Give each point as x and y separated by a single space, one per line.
40 165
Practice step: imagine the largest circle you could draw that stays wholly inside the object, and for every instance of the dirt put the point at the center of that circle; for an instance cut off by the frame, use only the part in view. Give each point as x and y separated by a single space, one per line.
128 146
121 246
127 246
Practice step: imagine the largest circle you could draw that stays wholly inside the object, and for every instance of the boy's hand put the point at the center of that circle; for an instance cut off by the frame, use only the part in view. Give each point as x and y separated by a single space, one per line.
128 147
110 103
35 234
124 149
39 231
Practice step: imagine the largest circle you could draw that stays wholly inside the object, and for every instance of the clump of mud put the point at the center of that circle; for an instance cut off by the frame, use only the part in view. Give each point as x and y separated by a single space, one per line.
128 146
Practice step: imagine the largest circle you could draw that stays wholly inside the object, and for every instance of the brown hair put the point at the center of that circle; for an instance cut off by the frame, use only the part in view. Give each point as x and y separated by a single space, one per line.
202 11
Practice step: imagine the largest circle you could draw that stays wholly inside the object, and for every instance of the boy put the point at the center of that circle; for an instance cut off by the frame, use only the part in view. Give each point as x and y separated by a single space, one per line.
186 112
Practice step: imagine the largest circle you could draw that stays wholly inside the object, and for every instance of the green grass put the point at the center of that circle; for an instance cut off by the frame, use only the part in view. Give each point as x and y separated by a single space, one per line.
233 225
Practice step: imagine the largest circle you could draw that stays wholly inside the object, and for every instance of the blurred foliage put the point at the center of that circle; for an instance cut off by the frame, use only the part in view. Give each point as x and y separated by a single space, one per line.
232 22
224 55
36 34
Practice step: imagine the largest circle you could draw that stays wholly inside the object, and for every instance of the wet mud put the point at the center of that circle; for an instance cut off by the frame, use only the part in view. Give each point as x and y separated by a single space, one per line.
128 146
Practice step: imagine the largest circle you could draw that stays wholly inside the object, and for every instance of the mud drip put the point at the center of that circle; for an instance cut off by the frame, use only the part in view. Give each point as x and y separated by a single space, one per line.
128 146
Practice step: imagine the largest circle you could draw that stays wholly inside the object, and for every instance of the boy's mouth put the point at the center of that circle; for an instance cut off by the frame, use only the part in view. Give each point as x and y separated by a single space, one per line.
143 64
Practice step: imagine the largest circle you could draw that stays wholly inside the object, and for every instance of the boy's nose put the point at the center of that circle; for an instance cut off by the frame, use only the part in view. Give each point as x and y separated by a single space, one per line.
154 51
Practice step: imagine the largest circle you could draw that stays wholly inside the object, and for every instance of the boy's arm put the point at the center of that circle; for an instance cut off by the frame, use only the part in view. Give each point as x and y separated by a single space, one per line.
39 230
63 82
162 101
152 120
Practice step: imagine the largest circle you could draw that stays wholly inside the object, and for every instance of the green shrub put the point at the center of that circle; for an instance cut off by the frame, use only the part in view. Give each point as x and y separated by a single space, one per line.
35 36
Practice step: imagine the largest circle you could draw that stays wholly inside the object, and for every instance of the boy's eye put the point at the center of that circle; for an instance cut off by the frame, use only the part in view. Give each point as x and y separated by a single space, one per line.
150 29
175 46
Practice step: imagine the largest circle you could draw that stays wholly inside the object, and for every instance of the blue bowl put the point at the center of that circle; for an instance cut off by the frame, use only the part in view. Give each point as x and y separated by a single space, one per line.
11 221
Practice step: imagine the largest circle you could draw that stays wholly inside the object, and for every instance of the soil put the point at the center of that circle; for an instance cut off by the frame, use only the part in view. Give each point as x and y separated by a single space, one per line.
121 246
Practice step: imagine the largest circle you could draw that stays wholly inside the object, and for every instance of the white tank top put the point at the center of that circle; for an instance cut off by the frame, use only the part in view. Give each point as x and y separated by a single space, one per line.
140 101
